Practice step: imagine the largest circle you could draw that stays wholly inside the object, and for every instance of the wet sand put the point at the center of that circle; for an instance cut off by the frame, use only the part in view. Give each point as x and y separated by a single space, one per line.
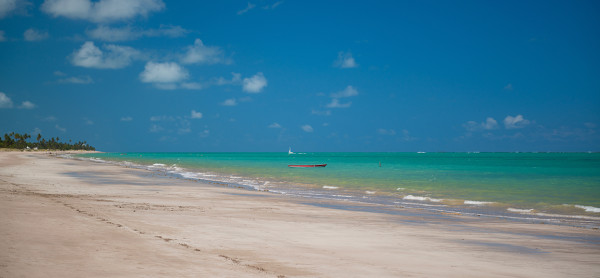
70 218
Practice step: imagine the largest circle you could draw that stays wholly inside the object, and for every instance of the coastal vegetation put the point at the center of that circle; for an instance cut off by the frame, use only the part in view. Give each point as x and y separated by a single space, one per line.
21 141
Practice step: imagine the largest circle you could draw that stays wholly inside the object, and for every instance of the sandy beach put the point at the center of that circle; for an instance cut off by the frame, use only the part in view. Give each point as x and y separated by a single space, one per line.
70 218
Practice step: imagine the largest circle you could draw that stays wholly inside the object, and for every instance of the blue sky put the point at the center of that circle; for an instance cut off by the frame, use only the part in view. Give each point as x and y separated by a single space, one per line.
155 75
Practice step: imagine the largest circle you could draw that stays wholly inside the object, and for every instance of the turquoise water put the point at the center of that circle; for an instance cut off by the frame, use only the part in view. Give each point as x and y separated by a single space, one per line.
551 183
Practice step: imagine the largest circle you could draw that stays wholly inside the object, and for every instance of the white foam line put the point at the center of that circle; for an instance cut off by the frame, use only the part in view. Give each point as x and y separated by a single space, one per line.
588 208
526 211
420 198
477 203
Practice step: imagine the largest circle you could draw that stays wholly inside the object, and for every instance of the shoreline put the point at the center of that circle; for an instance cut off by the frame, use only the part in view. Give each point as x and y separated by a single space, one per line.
480 208
131 222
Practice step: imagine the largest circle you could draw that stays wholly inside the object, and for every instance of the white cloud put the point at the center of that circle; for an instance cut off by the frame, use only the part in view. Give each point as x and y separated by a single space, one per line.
60 128
335 103
107 33
103 10
384 131
32 35
196 115
88 121
348 92
254 84
5 101
114 57
229 102
127 33
272 6
489 124
184 130
9 6
235 79
249 7
202 54
77 80
156 128
2 38
192 86
518 121
168 72
27 105
126 119
307 128
345 61
508 87
274 125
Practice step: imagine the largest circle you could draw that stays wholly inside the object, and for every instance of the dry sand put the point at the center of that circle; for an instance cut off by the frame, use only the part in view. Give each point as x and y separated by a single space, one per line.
70 218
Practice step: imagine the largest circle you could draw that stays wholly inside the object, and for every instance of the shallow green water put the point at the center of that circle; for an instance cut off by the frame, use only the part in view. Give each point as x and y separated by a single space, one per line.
566 183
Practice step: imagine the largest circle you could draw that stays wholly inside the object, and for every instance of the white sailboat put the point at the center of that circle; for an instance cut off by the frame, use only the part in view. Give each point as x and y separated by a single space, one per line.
290 151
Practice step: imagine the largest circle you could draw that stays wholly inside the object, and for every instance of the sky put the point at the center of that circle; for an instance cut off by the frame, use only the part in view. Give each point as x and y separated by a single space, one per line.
316 76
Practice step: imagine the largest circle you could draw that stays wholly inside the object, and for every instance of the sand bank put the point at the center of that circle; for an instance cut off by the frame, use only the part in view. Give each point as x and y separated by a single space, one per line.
69 218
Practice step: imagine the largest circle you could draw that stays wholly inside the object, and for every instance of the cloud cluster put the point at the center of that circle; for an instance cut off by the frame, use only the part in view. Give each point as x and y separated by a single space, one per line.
202 54
251 6
113 56
345 61
245 10
254 84
274 125
27 105
196 115
9 6
33 35
307 128
518 121
346 93
168 72
490 123
77 80
101 11
229 102
6 102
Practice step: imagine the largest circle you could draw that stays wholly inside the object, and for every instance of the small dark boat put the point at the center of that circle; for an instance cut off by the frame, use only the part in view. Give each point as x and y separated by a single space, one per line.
307 166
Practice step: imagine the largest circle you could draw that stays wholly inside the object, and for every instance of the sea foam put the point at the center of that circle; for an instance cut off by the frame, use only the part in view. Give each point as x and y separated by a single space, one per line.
420 198
477 203
520 210
588 208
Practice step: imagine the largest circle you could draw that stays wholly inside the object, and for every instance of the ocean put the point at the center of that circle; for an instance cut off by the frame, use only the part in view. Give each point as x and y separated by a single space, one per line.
540 187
